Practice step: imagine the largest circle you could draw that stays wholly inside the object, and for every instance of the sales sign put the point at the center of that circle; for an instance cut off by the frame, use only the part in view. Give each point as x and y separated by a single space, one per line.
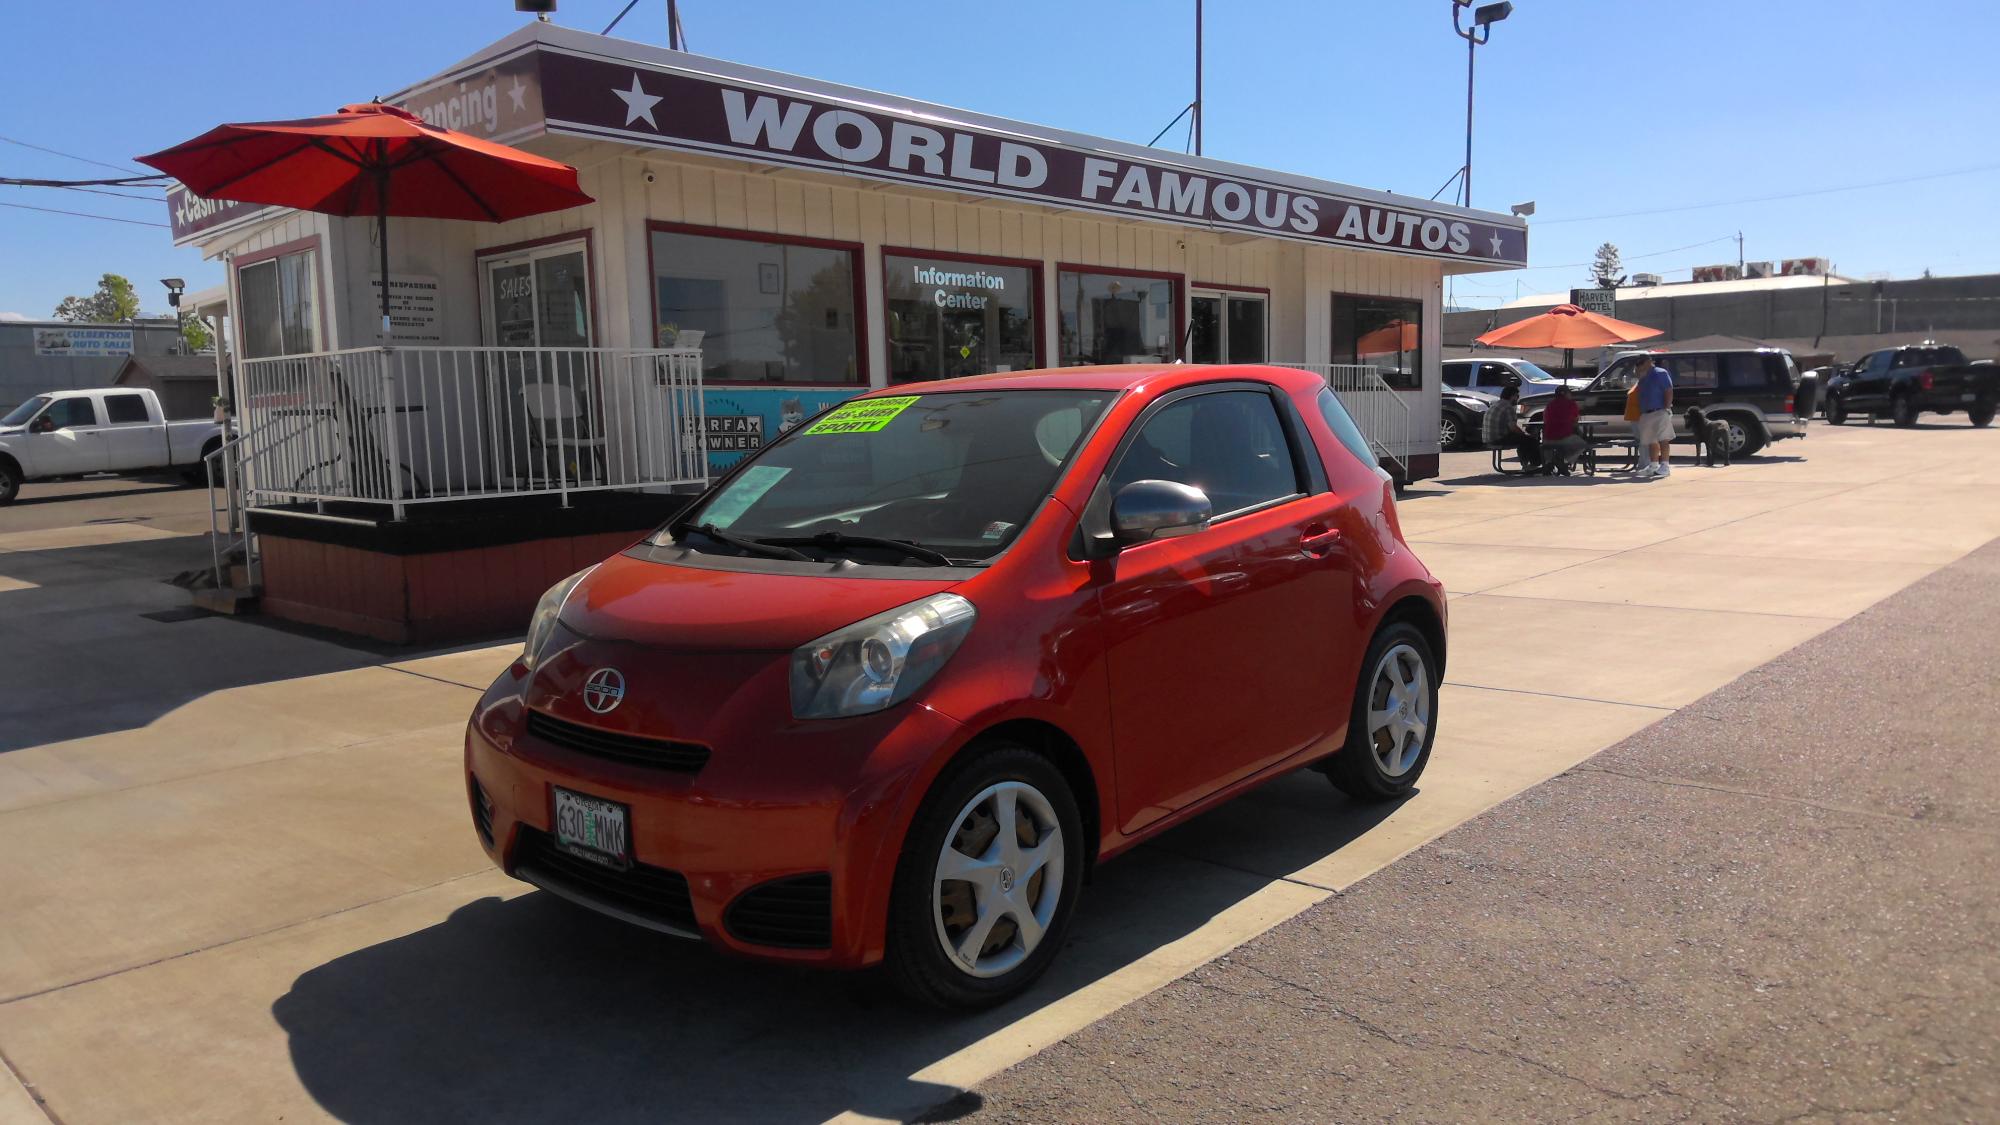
83 343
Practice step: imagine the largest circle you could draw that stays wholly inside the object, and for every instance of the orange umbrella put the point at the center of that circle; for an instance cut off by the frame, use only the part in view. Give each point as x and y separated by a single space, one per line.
1566 326
1395 336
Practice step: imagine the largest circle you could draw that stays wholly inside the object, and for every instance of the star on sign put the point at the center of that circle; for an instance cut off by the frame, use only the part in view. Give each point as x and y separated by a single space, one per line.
638 103
1497 251
518 93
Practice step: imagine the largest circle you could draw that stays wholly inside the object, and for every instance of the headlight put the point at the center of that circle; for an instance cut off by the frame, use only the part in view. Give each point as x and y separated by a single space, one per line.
881 661
543 623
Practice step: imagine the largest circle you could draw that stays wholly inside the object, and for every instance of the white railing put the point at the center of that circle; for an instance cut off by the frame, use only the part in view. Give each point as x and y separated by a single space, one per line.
1382 411
418 425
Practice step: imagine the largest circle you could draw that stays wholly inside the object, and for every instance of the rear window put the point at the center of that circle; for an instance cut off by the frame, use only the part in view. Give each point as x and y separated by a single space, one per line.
1343 427
1930 357
125 408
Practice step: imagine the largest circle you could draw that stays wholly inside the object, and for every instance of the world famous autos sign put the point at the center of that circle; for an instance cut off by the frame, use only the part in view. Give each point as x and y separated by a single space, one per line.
639 104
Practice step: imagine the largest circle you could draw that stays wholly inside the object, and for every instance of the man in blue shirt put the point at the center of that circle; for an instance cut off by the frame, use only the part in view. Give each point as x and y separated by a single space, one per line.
1653 433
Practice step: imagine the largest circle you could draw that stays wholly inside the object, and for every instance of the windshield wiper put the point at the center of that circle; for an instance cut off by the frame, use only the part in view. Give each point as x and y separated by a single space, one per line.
769 548
835 540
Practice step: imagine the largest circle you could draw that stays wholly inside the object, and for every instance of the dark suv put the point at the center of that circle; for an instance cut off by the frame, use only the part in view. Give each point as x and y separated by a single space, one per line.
1753 391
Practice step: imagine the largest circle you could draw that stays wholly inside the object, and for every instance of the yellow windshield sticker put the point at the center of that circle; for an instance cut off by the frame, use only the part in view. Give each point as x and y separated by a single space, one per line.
862 417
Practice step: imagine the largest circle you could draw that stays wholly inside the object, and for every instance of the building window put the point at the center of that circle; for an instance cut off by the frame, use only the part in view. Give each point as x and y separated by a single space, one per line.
279 305
1385 333
1226 327
770 311
1116 317
950 316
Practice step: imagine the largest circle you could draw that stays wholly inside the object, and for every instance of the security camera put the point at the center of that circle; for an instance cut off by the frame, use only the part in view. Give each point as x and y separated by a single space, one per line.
650 176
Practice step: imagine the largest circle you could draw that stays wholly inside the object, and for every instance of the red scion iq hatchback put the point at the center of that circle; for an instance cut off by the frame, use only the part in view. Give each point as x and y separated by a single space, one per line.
890 688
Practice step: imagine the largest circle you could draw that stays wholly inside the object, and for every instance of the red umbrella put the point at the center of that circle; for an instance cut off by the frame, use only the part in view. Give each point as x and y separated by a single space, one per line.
370 160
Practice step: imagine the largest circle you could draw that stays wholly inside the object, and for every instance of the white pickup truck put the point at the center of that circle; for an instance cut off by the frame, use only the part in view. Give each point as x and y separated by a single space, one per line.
111 430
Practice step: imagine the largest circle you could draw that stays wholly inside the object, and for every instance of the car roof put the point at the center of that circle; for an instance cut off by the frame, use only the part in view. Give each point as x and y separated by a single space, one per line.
1112 377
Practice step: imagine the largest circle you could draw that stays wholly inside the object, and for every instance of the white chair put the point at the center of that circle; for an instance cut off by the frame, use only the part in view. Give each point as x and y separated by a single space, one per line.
558 425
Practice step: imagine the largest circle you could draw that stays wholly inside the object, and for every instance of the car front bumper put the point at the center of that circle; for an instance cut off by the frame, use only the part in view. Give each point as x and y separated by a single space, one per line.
782 855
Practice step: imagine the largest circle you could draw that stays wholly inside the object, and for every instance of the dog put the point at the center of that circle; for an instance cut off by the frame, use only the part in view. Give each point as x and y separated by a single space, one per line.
1711 436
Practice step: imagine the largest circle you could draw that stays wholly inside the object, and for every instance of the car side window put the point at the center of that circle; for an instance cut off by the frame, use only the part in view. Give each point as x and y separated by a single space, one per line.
1749 371
122 408
1496 375
1691 372
1877 363
1617 377
1229 444
68 412
1458 374
1342 424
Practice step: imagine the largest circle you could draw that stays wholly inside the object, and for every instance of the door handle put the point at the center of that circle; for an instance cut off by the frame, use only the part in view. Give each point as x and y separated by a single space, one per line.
1319 543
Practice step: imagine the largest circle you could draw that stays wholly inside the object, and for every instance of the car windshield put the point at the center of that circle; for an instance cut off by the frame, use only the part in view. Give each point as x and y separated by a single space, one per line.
1532 374
956 474
25 411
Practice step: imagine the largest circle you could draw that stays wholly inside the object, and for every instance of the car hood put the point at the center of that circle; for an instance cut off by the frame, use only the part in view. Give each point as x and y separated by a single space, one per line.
726 604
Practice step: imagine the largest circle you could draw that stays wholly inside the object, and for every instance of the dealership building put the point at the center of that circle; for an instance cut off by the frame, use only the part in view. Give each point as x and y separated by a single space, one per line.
762 245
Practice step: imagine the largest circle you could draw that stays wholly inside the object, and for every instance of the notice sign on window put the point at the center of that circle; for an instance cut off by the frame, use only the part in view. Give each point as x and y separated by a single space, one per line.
413 308
728 433
863 417
83 343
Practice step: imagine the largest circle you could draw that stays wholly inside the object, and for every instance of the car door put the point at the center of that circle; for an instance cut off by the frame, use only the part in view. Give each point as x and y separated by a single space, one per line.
1218 643
71 443
131 439
1868 387
1603 401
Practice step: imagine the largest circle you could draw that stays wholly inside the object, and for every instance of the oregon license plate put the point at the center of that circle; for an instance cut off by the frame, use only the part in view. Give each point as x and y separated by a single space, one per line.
593 828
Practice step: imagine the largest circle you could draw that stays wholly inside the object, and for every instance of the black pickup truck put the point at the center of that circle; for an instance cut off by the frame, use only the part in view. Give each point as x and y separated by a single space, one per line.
1911 380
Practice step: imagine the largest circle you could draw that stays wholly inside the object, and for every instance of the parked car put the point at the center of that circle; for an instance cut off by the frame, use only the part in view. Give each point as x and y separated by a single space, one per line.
1914 379
1488 375
1754 391
1460 413
115 430
894 686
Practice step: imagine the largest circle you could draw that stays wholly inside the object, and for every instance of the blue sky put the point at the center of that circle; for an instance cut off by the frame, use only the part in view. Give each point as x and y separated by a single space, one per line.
1589 107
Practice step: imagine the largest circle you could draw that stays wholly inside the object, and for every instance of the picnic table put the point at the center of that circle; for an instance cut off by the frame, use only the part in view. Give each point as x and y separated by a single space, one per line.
1592 455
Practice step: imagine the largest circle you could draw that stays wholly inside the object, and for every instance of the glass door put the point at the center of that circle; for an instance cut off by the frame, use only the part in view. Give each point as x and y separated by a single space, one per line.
1226 327
542 388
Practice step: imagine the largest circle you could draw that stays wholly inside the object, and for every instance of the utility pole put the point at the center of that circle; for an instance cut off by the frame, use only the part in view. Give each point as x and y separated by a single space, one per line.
674 24
1739 253
1197 77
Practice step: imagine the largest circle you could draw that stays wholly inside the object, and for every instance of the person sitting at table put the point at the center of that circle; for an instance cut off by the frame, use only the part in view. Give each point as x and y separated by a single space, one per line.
1560 442
1502 429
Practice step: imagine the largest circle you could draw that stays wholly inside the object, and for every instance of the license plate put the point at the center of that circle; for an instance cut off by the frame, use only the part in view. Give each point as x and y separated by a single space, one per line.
1968 396
593 828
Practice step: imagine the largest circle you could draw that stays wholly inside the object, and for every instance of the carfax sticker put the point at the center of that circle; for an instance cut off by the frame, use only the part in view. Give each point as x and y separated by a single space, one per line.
862 417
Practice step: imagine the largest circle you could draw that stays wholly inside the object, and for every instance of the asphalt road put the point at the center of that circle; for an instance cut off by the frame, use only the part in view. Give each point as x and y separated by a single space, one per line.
1776 904
160 500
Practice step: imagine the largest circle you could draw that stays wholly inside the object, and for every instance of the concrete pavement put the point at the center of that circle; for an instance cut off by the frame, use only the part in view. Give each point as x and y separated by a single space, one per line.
1776 904
240 865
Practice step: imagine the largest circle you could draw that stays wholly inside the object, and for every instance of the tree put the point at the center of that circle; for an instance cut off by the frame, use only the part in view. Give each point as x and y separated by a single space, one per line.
1606 271
194 333
113 303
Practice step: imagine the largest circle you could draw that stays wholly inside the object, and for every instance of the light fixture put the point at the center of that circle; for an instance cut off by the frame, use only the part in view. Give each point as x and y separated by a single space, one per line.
175 287
1523 210
1487 14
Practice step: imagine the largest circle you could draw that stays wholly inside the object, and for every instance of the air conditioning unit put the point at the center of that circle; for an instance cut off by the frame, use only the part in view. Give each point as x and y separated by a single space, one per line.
1646 279
1759 269
1810 267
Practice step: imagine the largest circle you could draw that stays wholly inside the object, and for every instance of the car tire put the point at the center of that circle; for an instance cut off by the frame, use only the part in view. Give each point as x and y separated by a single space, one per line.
1746 438
1836 412
10 482
971 806
1903 410
1450 432
1980 413
1385 754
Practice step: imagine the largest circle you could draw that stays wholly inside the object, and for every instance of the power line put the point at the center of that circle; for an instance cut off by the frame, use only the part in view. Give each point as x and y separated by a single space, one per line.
92 190
85 215
69 155
1773 198
1634 257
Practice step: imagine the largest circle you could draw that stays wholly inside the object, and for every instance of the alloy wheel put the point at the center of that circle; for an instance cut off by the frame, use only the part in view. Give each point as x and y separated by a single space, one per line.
1447 432
999 879
1739 436
1399 709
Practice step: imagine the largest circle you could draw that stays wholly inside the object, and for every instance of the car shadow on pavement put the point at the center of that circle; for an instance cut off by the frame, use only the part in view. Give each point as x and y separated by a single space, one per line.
30 500
531 1009
90 659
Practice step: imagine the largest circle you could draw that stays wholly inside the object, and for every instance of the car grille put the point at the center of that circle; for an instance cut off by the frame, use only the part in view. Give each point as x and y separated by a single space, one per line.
632 749
482 809
796 913
650 895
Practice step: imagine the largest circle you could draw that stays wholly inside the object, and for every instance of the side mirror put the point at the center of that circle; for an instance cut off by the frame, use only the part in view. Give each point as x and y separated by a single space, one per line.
42 425
1158 509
